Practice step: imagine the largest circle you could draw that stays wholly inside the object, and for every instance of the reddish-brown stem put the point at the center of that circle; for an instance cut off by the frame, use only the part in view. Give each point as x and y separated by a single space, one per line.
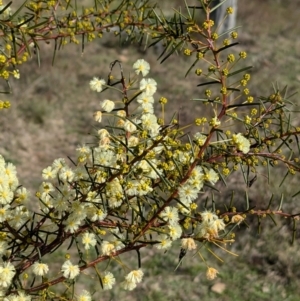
84 267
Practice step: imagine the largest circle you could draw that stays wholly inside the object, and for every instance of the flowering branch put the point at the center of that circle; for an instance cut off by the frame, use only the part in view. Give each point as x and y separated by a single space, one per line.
141 183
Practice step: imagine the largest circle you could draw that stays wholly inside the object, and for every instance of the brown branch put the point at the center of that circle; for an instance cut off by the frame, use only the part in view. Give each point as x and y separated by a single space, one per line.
84 267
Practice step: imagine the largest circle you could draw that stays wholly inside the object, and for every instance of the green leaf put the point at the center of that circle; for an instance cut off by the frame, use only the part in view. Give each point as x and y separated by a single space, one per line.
180 14
243 105
234 89
222 178
298 145
283 143
25 42
243 173
193 65
82 43
165 180
293 94
294 230
188 10
207 184
158 18
26 21
209 83
239 71
231 199
247 200
177 166
259 224
272 218
18 10
195 7
225 47
5 7
270 202
296 194
218 5
172 51
14 43
166 49
281 202
157 40
201 99
36 25
204 5
228 31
